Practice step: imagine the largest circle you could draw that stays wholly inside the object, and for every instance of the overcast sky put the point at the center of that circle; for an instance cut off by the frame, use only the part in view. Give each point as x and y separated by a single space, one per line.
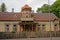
17 4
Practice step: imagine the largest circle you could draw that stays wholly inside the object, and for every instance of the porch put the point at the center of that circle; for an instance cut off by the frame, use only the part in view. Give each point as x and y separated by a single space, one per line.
28 26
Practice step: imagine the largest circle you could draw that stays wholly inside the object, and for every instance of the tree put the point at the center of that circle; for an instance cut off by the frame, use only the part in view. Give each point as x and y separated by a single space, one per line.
55 8
44 8
3 7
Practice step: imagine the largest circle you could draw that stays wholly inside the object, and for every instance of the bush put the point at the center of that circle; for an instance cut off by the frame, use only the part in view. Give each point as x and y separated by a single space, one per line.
13 32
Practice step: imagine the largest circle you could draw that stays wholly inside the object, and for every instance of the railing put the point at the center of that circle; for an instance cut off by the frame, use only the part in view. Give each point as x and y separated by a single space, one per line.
28 35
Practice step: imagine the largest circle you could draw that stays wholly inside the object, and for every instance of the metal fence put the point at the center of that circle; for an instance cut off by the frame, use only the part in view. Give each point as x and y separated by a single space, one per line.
28 35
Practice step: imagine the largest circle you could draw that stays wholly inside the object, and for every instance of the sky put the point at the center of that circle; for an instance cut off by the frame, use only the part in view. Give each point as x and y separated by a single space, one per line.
17 4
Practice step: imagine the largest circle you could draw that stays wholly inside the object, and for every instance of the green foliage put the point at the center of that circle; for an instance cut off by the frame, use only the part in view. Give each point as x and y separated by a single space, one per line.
56 8
3 7
44 8
39 9
13 32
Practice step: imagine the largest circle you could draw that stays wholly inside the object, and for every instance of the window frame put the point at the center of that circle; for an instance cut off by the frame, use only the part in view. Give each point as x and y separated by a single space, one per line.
7 28
43 27
15 28
27 15
55 27
38 27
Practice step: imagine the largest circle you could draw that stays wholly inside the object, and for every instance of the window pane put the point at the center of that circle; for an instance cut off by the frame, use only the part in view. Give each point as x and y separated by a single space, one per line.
43 27
55 27
14 27
7 28
27 16
38 27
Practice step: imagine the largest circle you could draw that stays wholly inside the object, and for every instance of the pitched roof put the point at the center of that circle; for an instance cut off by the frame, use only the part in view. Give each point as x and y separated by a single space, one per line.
44 16
17 16
10 16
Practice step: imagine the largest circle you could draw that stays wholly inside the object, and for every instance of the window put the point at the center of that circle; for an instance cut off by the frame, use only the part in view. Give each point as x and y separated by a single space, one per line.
27 15
7 28
38 27
55 27
14 28
43 27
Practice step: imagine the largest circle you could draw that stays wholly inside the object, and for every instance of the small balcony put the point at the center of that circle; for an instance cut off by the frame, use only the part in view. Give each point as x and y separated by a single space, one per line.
26 19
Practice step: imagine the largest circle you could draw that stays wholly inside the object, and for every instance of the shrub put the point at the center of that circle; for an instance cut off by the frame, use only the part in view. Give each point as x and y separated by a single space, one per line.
13 32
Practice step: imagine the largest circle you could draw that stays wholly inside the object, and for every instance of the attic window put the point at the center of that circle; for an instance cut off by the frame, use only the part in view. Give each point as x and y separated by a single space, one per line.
27 15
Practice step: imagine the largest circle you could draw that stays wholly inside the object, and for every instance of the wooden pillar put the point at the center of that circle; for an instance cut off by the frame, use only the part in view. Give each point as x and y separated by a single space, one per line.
29 28
24 27
36 28
32 27
20 27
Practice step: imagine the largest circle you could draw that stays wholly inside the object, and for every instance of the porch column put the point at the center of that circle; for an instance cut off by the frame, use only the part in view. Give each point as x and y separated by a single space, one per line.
24 27
20 27
32 27
36 28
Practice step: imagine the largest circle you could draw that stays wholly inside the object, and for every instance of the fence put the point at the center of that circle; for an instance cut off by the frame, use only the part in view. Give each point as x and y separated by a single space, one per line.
28 35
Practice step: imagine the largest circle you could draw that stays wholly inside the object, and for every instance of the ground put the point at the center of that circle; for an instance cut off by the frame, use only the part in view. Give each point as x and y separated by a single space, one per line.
53 38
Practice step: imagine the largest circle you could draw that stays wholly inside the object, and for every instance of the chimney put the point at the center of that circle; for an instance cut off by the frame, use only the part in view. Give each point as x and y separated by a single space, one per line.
12 9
